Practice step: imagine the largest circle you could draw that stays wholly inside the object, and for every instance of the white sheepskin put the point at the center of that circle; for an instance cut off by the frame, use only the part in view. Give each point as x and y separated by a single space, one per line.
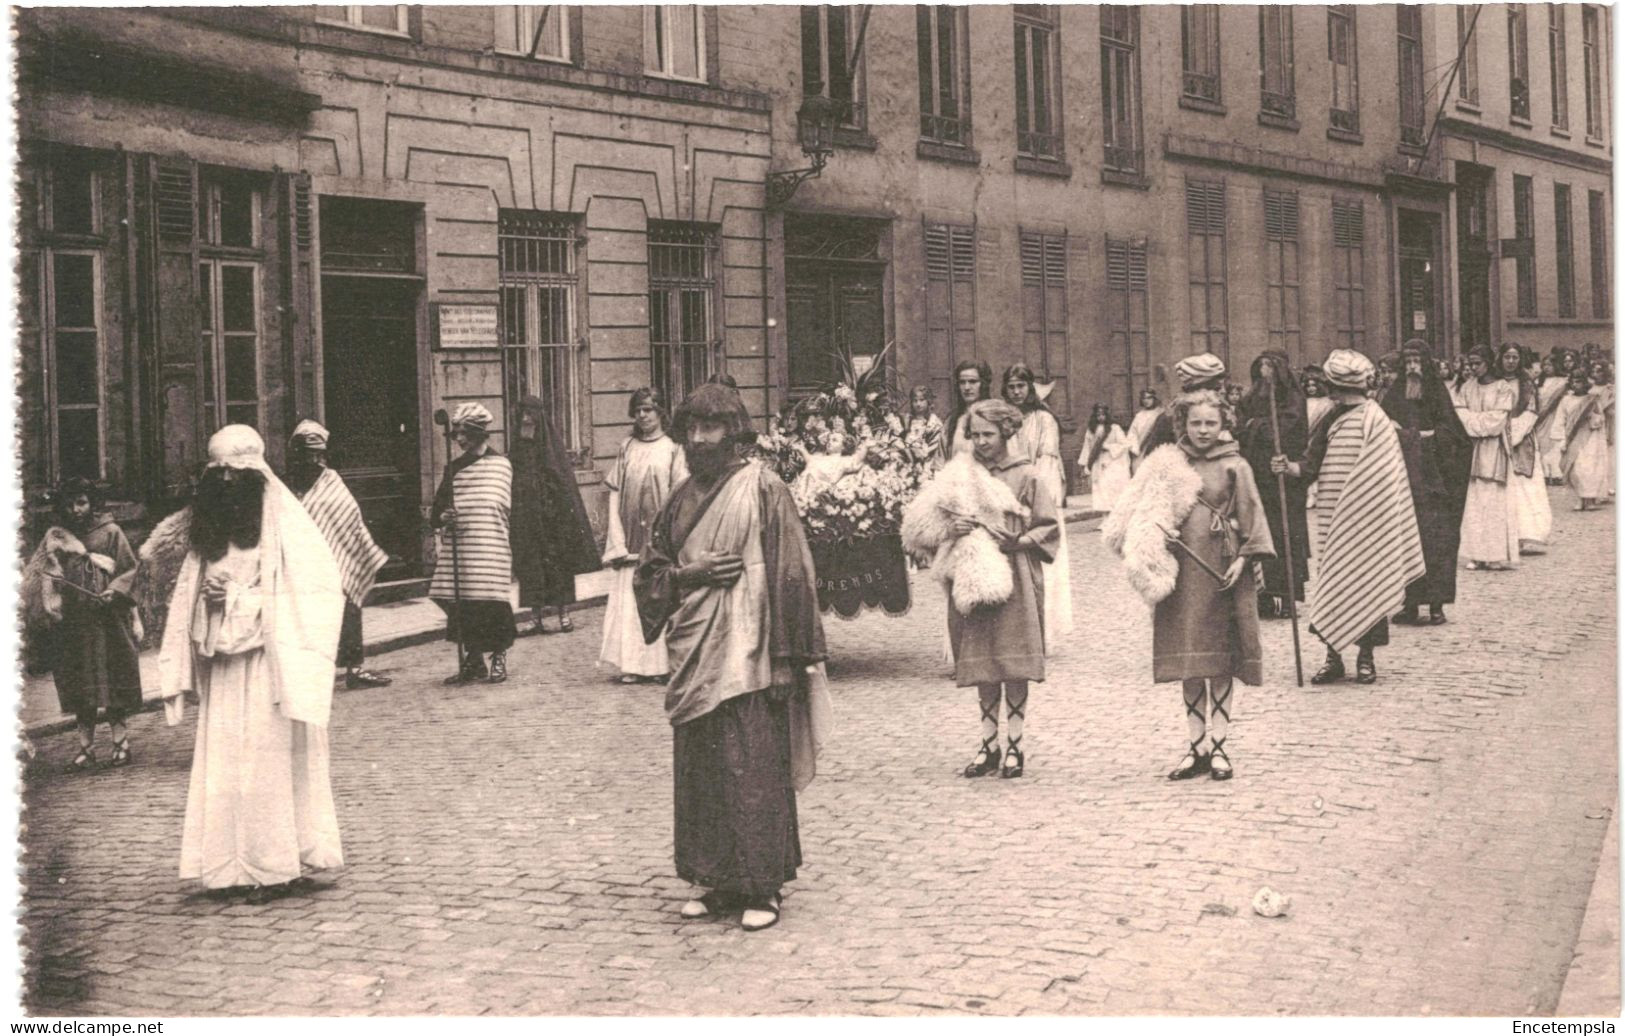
1161 497
972 567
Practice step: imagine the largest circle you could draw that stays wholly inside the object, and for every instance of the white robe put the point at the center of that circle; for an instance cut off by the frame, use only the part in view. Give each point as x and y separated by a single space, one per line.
1138 431
1585 447
1550 438
1109 474
1040 437
1531 505
645 474
1489 528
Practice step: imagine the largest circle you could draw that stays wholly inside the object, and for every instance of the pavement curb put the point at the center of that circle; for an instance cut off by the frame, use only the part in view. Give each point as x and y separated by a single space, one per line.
395 642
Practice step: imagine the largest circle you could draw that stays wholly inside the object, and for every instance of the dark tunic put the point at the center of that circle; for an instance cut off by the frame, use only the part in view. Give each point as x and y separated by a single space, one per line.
97 658
480 626
1200 630
735 806
1257 440
1438 459
551 535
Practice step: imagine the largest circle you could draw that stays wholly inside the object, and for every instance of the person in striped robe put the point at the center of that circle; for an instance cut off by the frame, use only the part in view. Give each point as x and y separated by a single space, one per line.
338 516
1370 549
474 585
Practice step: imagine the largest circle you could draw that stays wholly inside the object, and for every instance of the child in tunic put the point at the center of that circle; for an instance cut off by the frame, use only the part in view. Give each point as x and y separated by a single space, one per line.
1105 456
1581 434
649 467
924 433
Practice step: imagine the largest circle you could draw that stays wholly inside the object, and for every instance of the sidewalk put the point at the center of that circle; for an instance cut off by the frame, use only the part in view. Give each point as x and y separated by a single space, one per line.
1591 987
385 627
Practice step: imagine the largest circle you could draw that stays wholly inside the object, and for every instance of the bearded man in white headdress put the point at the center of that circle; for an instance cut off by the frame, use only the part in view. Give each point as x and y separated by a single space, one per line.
252 627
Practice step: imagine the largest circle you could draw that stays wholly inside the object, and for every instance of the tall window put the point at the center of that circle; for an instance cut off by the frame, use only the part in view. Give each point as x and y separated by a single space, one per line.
1342 51
1199 35
1591 43
1038 82
1411 90
536 272
828 36
674 41
389 18
1277 88
1557 45
1601 288
1565 249
943 37
950 289
682 293
1043 300
1348 274
1523 220
61 309
1518 59
1120 87
1281 290
229 299
537 31
1205 260
1467 46
1128 316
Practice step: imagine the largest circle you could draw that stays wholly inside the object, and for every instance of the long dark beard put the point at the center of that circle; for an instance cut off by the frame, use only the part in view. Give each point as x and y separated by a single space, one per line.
1413 386
226 514
707 461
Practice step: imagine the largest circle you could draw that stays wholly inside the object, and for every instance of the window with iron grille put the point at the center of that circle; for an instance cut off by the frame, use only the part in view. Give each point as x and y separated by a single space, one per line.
1282 294
1120 87
1043 302
1411 115
1128 316
1591 43
533 30
828 37
1342 51
682 304
942 34
1518 59
1276 75
537 284
1199 34
1523 220
229 298
1205 221
674 41
1557 46
1038 82
1467 46
1564 221
950 289
1601 288
1348 273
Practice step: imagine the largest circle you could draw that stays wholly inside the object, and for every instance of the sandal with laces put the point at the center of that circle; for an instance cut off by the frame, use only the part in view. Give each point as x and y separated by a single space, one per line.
1015 763
985 762
499 667
1365 669
85 760
1195 763
1331 672
121 753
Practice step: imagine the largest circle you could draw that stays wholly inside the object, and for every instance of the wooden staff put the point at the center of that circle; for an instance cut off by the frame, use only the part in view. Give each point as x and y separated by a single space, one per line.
1286 526
1175 541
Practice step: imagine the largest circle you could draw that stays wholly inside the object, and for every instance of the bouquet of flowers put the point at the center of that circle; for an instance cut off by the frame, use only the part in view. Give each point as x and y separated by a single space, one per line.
862 503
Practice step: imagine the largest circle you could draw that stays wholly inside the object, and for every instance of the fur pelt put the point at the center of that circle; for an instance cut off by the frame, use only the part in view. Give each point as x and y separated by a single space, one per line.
161 556
1160 498
41 588
976 572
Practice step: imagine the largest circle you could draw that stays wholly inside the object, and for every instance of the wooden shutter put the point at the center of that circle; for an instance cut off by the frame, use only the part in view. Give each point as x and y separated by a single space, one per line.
1348 224
1127 313
180 383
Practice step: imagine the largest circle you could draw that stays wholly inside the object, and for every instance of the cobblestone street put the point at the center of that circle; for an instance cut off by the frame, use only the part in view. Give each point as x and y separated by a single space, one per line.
509 847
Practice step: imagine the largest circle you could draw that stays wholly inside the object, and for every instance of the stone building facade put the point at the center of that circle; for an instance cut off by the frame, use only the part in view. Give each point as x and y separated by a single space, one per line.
367 214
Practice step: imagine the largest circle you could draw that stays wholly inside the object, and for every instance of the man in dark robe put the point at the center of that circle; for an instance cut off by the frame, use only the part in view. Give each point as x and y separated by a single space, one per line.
728 578
550 533
1255 433
1438 459
1202 371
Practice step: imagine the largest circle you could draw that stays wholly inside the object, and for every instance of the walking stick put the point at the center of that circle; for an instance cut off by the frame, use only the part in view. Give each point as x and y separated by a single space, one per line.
1175 541
441 419
1286 528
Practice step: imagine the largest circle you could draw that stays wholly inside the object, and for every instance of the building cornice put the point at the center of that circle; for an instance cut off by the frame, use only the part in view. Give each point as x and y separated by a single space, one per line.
1203 151
1521 145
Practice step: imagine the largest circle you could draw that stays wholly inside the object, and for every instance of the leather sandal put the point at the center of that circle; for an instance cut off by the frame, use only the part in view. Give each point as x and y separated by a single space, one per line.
1365 669
86 759
986 761
765 911
1331 672
1215 770
1015 764
1195 763
710 904
499 667
121 753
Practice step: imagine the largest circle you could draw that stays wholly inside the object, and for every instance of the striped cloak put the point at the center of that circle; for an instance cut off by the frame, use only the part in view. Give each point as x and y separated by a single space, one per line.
1370 549
338 516
482 494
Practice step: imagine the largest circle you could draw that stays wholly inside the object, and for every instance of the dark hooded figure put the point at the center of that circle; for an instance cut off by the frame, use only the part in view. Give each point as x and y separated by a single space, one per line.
1257 439
1438 459
551 536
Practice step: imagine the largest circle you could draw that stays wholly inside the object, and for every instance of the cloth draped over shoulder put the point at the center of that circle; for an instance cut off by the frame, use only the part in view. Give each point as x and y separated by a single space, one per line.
1370 546
481 490
764 633
338 516
303 611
